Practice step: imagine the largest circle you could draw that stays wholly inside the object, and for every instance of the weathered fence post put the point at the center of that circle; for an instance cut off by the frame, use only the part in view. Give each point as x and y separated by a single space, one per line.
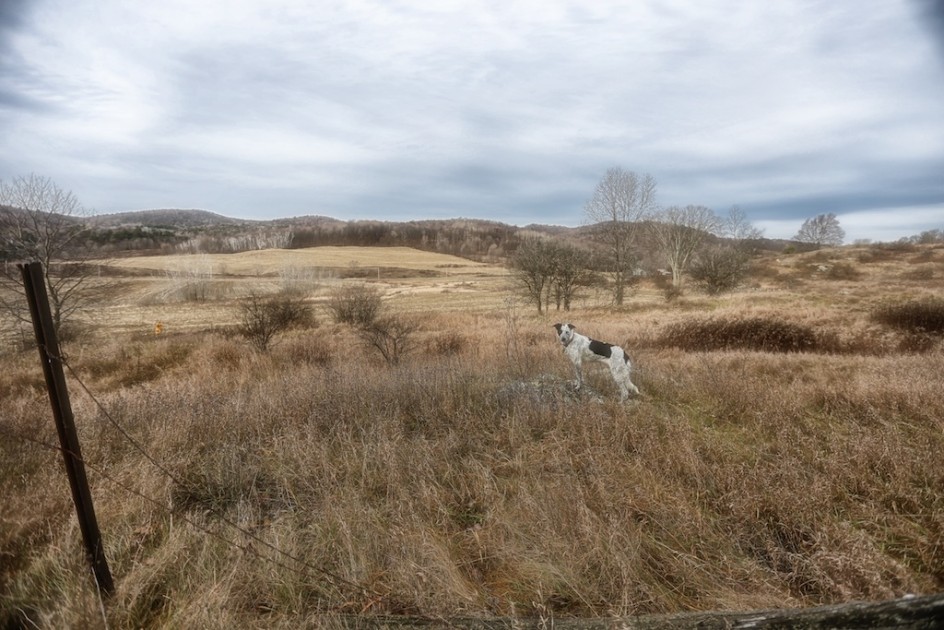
48 344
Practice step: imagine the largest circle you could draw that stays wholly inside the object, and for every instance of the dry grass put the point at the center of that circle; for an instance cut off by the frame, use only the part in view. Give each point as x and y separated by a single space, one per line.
741 479
274 262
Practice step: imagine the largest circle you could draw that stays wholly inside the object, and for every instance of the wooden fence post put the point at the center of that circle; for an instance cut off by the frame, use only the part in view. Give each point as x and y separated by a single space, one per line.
48 344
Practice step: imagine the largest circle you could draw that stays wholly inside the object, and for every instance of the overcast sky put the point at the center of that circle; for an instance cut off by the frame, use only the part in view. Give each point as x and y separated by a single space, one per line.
501 110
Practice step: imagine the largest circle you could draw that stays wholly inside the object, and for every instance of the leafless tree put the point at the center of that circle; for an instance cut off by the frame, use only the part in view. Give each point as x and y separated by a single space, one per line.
723 266
41 222
620 201
571 272
546 268
679 232
823 229
737 228
533 266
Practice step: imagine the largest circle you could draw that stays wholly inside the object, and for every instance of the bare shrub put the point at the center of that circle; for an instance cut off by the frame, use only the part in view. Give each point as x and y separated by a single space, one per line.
262 318
744 333
357 305
392 336
923 316
720 269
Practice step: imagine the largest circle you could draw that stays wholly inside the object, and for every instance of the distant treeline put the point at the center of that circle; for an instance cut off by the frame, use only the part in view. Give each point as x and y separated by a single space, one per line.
475 240
468 238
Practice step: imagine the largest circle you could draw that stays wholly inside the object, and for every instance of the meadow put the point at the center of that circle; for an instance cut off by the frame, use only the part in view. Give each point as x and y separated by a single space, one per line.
785 452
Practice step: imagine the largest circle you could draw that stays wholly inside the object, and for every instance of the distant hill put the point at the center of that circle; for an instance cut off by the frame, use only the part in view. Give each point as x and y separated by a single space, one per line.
170 230
166 218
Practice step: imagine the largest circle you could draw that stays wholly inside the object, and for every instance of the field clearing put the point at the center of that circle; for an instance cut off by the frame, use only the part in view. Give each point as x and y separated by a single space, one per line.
270 262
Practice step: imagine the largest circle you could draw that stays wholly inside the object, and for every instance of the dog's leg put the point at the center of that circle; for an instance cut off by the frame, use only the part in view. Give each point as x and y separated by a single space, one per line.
578 375
620 377
631 386
621 374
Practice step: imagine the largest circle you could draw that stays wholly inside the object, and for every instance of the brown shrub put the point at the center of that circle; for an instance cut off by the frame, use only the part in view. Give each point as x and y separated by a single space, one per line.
921 316
357 305
741 333
392 336
263 318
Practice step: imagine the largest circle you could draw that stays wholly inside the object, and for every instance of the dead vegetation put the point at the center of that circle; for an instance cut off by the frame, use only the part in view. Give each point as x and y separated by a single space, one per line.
761 468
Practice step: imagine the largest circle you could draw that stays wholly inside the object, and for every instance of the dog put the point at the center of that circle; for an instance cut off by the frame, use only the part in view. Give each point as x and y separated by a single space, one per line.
580 348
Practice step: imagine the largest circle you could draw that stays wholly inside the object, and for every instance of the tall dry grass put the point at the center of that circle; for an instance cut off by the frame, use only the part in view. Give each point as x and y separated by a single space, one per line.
742 478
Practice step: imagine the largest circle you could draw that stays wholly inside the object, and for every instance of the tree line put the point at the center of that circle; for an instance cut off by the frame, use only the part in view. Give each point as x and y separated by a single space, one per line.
477 240
627 225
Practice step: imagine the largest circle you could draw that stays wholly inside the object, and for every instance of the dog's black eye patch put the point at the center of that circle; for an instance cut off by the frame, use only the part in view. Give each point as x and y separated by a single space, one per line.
603 349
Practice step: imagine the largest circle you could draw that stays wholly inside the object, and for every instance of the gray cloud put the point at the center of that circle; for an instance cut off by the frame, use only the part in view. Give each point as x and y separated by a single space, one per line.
13 15
931 15
410 111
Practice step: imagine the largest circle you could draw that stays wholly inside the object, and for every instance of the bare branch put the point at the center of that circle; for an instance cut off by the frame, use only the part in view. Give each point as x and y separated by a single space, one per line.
620 202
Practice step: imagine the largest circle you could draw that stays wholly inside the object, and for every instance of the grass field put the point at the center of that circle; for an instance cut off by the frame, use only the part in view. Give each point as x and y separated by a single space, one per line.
785 452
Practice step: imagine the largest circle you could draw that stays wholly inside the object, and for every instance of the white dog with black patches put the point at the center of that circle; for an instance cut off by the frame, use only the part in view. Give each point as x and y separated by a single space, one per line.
580 348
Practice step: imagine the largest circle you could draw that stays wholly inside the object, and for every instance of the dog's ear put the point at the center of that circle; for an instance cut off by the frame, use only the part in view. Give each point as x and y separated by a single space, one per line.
558 327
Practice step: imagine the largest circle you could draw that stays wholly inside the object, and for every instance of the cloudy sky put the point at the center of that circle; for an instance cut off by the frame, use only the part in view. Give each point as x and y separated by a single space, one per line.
509 110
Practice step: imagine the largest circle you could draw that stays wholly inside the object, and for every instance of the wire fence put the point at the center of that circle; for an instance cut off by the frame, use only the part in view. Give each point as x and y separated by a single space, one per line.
342 587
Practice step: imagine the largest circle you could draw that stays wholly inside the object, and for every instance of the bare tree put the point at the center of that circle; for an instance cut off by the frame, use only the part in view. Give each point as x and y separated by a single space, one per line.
533 267
679 232
620 201
41 222
724 265
823 229
547 268
739 229
571 272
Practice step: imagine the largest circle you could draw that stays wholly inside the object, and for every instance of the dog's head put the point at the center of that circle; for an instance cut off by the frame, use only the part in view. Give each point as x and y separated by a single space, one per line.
565 332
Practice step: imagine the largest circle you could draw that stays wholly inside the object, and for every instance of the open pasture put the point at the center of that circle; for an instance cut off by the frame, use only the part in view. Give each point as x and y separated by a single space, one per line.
196 292
316 485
